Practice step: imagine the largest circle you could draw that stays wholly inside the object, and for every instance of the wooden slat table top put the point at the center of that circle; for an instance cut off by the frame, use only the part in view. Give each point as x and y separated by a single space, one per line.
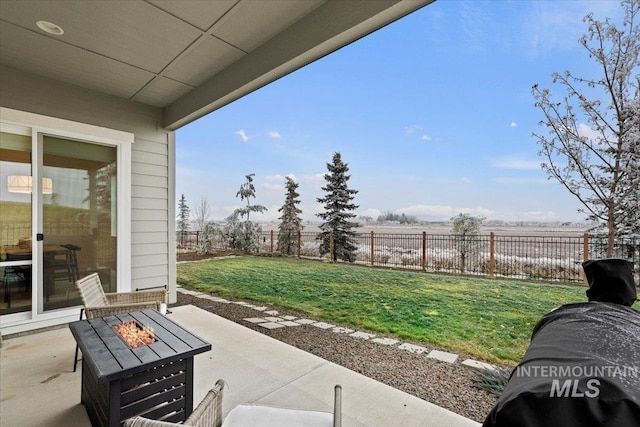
110 358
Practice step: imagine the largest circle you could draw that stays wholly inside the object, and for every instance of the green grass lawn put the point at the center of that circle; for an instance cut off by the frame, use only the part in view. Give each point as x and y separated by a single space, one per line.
489 319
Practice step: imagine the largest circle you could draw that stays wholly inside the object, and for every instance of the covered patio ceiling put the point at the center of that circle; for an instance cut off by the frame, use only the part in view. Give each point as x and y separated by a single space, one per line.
187 57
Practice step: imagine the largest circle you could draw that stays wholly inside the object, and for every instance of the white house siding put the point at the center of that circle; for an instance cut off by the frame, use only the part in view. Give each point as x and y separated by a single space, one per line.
152 164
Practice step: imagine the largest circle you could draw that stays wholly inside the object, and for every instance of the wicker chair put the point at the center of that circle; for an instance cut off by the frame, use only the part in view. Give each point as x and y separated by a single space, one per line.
209 413
97 303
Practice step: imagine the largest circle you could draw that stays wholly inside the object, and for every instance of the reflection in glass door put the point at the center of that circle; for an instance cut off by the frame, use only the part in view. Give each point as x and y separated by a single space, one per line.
78 218
15 223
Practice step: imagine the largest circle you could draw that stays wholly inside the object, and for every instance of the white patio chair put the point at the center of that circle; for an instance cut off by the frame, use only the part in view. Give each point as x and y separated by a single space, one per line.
209 413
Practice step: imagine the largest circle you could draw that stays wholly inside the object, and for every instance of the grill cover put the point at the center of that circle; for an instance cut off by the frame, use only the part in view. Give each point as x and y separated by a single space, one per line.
582 368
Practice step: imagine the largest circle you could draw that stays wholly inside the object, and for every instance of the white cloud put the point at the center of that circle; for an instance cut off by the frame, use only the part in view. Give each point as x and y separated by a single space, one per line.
272 187
465 180
313 179
410 130
513 124
276 182
510 162
372 212
275 135
551 26
519 181
224 211
243 135
585 130
425 138
476 211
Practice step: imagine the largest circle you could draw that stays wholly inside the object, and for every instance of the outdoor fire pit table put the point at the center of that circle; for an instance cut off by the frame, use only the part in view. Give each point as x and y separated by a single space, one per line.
152 380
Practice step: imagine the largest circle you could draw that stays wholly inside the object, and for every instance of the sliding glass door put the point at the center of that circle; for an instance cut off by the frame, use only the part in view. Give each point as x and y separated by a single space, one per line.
74 217
78 218
15 223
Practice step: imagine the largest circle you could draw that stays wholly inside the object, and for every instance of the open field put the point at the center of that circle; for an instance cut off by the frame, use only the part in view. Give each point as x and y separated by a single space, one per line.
501 229
490 319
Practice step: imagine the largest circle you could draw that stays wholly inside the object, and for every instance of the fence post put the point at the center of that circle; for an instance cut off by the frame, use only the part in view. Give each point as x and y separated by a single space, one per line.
271 243
299 243
197 238
371 247
424 250
331 248
492 254
585 257
585 246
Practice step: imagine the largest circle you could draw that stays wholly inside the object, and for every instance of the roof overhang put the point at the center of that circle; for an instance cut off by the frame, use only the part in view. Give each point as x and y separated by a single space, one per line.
187 57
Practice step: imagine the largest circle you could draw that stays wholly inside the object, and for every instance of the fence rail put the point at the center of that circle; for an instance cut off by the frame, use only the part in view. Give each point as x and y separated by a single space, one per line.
556 259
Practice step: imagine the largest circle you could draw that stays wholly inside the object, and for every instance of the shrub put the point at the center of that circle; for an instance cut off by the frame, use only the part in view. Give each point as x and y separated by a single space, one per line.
493 381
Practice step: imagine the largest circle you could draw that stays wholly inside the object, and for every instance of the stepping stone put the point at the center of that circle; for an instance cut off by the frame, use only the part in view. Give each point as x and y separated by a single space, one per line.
385 341
189 292
341 330
323 325
412 348
222 301
255 320
209 297
273 319
289 317
290 323
305 321
271 312
244 303
362 335
271 325
255 307
443 356
478 365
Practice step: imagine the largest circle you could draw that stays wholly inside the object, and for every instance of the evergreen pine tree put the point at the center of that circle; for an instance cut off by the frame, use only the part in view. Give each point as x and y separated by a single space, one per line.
183 216
290 221
338 210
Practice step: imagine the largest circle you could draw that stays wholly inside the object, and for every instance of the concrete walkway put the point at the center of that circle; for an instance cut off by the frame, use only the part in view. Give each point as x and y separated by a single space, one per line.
38 387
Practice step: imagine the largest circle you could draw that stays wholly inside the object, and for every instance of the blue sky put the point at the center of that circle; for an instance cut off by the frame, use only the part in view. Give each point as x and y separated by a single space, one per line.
433 115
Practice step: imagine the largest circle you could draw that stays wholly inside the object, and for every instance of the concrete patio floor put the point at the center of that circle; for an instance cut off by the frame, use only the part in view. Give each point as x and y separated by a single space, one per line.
39 388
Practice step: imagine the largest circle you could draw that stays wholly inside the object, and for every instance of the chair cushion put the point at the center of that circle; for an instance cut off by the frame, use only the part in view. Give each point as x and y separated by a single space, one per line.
269 416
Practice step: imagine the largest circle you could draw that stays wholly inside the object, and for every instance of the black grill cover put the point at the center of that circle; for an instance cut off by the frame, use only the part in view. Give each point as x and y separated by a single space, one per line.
610 280
581 369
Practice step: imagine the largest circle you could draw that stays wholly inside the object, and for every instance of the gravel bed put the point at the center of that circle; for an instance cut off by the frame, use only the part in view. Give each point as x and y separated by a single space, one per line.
447 385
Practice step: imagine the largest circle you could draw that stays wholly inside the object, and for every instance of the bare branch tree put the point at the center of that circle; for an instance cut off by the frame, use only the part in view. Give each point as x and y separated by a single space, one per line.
584 148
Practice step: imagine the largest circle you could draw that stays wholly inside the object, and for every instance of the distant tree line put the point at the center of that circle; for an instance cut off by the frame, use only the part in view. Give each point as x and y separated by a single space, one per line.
401 218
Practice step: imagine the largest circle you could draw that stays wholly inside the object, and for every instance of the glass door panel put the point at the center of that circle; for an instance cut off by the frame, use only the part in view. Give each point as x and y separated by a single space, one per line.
78 218
15 223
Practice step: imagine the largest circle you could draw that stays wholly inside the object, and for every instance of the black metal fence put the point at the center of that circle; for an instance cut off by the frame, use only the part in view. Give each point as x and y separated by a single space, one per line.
543 258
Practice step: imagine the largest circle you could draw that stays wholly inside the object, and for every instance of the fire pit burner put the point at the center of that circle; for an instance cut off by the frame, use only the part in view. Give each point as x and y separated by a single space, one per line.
135 335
